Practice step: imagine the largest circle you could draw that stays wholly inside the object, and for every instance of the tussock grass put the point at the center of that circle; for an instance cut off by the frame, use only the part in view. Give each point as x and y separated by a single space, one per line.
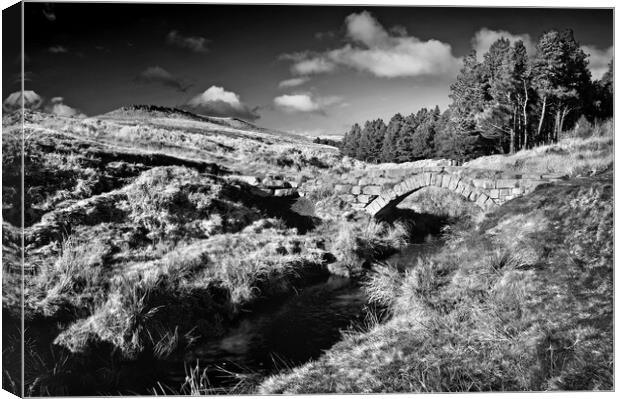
75 277
357 245
523 302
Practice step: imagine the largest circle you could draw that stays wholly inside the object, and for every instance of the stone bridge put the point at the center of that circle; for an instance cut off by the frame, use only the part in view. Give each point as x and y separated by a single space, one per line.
376 188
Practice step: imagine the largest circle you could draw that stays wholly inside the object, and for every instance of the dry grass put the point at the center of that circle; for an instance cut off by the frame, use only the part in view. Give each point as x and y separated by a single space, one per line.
571 156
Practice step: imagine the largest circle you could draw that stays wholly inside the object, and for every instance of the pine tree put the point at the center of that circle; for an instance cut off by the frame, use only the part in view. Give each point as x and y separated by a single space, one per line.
497 119
365 143
606 93
424 136
376 141
561 79
351 141
468 101
392 134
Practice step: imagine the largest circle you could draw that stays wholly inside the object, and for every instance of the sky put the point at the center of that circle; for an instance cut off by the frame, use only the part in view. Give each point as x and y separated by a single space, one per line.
313 70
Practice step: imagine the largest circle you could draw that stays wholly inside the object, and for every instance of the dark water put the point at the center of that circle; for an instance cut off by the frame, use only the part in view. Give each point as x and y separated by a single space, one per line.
280 334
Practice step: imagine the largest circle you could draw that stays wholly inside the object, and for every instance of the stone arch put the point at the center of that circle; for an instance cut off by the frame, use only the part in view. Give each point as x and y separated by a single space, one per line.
460 185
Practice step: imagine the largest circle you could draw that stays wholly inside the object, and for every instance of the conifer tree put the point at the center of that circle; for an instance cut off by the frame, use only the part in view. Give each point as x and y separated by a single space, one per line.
392 135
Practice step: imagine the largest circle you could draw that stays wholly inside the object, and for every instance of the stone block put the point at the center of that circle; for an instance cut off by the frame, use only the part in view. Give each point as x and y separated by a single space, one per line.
347 197
505 191
517 191
494 193
490 203
427 179
483 183
283 192
400 188
395 174
373 208
473 196
356 190
506 183
530 176
364 198
390 194
482 198
413 183
342 188
381 202
445 181
373 190
434 169
376 172
435 178
454 182
460 186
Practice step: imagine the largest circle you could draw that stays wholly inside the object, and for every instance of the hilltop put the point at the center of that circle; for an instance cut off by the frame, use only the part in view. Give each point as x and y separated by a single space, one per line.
154 114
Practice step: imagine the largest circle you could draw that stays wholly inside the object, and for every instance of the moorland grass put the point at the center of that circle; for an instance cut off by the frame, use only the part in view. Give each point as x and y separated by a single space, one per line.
577 153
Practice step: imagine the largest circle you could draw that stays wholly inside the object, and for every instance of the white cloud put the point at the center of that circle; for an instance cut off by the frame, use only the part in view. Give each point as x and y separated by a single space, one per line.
364 28
375 50
196 44
307 63
215 93
13 102
216 101
293 82
305 102
484 38
57 107
599 60
33 101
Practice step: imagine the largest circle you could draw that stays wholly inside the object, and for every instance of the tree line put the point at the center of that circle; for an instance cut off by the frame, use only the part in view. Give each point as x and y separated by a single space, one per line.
508 101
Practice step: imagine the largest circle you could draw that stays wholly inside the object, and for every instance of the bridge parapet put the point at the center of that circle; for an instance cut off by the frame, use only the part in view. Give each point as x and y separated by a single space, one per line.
375 189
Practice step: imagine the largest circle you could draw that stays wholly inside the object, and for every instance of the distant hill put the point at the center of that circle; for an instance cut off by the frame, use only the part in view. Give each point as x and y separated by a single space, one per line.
149 112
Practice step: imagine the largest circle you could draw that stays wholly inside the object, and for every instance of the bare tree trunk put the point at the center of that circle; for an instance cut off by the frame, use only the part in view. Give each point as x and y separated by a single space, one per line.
565 112
542 116
525 133
513 130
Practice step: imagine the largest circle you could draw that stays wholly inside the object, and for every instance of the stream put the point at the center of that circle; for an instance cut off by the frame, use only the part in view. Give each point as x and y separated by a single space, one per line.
279 334
282 334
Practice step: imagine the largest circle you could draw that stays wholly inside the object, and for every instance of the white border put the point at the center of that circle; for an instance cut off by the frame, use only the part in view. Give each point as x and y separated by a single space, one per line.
456 3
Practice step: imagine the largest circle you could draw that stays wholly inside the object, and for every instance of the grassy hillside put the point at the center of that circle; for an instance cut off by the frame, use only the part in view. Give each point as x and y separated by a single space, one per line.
523 301
143 238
